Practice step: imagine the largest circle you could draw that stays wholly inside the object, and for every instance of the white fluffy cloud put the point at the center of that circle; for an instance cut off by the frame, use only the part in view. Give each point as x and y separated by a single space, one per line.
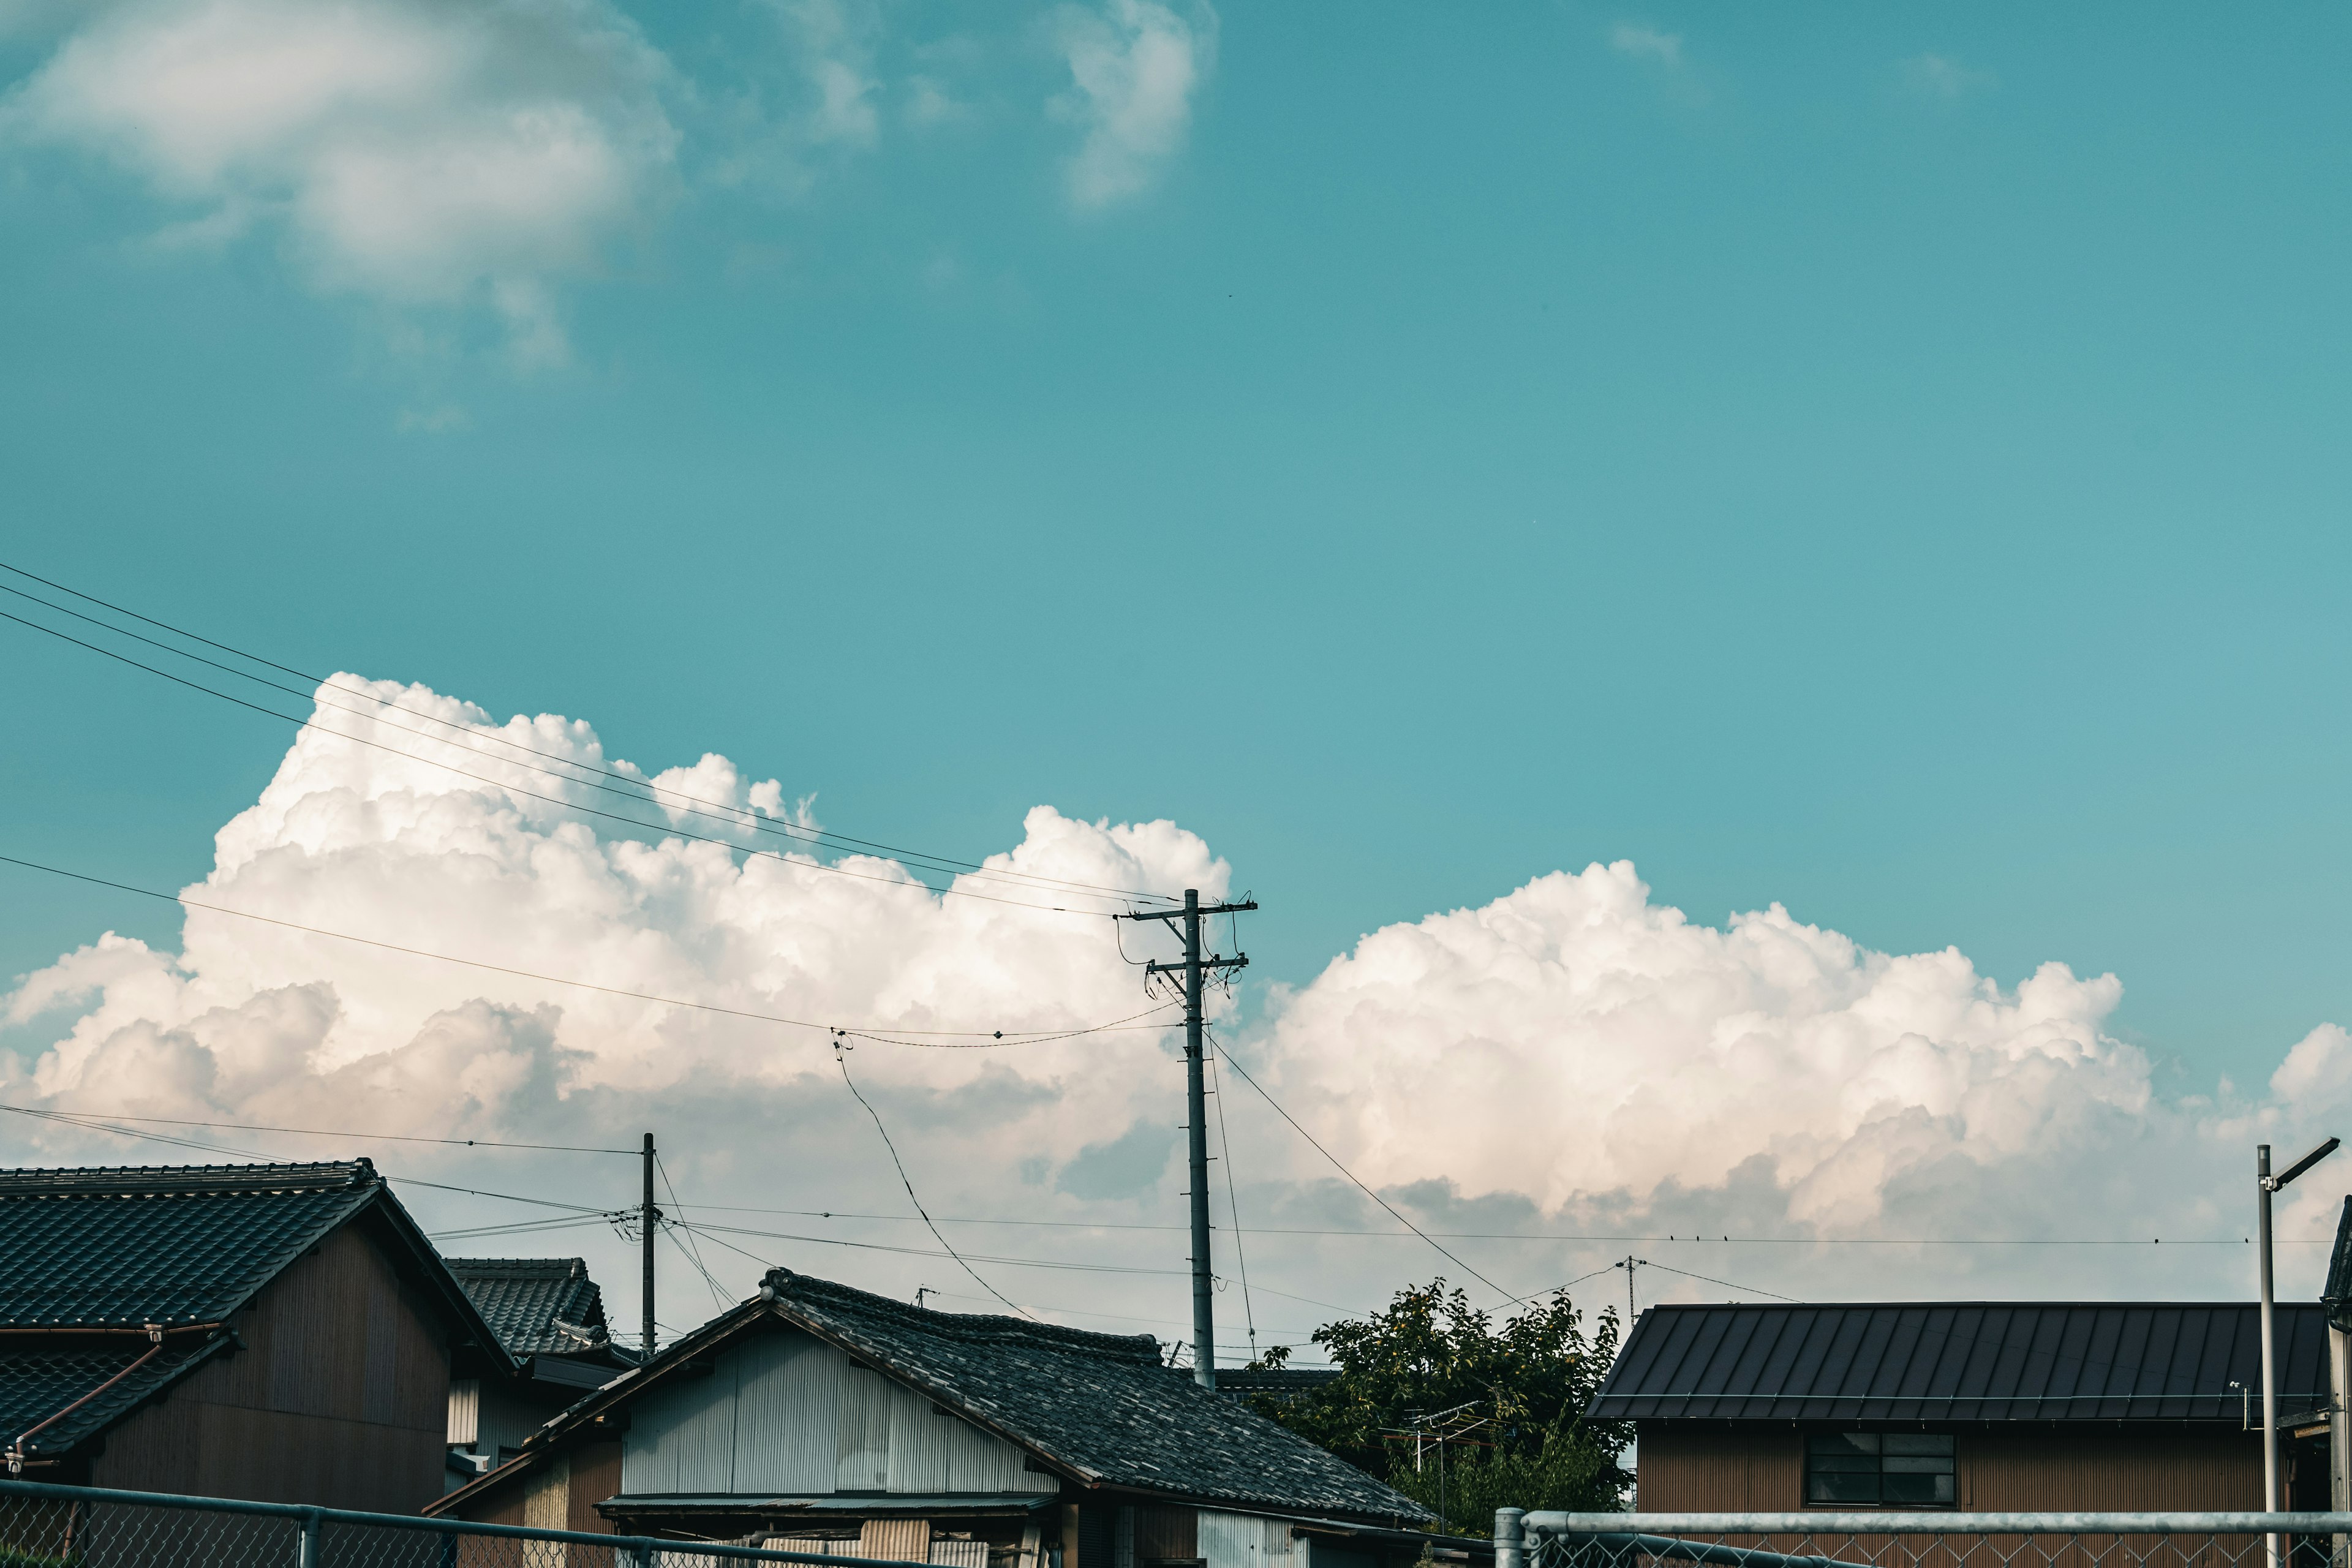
1573 1057
413 151
1135 66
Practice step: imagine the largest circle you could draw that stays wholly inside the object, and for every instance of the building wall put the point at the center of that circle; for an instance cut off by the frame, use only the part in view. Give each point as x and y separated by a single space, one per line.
1702 1469
784 1414
1247 1541
340 1397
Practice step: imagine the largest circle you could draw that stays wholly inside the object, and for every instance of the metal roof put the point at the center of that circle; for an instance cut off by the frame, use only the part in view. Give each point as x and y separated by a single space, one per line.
1960 1361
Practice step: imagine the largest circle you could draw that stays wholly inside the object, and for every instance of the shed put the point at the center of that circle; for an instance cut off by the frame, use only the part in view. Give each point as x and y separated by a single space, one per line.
1969 1405
816 1413
277 1333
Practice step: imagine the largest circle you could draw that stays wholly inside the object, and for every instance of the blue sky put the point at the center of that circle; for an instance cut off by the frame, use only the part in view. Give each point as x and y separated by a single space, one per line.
1882 461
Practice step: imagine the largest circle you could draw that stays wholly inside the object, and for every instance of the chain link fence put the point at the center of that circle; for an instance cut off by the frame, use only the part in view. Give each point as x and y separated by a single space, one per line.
46 1526
1941 1540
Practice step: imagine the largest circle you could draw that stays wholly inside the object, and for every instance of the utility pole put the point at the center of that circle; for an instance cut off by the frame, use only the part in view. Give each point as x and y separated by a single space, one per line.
1193 968
651 1217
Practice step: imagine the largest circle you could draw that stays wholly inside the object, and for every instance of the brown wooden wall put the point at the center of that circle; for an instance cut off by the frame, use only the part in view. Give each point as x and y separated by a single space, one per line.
340 1397
2079 1466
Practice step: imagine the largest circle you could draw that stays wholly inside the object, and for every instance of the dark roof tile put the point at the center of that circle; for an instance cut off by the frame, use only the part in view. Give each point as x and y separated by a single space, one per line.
537 1305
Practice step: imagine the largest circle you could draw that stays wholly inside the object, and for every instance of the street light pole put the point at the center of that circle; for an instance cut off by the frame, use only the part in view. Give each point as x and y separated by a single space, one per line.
2265 1184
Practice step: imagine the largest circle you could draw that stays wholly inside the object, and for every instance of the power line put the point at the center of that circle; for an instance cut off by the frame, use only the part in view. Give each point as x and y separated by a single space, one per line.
1233 1203
1351 1175
1727 1284
557 801
841 1058
741 815
980 1038
377 1137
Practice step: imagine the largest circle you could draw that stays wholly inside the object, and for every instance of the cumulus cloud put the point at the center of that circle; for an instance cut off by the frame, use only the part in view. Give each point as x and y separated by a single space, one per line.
1646 43
1573 1057
1134 67
416 152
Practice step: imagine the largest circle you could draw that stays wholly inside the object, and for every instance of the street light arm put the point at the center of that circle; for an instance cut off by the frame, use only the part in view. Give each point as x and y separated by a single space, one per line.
2306 1163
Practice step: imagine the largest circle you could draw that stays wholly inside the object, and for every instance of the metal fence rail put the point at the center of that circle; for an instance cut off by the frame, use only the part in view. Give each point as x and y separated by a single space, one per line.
48 1526
1886 1539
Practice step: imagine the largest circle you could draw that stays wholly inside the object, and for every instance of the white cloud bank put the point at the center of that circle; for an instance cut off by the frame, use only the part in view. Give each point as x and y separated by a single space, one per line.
417 152
1135 66
1572 1056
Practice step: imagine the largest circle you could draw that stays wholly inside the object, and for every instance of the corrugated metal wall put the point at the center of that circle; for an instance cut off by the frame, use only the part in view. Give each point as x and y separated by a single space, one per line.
785 1414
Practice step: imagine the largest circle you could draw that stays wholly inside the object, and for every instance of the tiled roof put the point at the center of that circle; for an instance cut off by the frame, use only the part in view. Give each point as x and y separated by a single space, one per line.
86 1254
38 1383
1963 1361
1102 1406
537 1305
132 1246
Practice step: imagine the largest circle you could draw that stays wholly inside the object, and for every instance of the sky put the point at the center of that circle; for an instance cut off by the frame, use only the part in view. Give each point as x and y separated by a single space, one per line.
1683 555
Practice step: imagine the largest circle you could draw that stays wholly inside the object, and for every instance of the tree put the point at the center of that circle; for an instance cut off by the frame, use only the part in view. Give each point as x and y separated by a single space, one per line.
1462 1416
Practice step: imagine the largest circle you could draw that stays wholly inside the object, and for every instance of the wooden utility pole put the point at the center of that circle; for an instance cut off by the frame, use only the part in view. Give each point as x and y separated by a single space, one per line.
1193 968
651 1217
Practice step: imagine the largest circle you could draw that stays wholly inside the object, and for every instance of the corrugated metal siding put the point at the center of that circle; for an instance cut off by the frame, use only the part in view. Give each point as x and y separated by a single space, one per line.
783 1413
1958 1362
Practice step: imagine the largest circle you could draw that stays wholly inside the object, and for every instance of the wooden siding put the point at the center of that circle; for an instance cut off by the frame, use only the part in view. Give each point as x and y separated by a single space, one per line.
1702 1469
784 1414
340 1397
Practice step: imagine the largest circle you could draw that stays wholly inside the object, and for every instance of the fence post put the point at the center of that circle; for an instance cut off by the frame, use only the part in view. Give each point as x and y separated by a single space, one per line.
1510 1538
308 1557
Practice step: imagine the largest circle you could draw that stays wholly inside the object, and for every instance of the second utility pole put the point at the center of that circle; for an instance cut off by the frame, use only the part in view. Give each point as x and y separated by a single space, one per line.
1193 968
651 1217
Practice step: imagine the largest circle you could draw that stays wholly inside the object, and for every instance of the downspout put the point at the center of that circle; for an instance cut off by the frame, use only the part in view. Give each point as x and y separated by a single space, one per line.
15 1455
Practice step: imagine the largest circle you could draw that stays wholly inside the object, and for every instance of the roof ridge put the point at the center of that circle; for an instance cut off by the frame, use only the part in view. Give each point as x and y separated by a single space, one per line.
520 1267
981 1327
70 1180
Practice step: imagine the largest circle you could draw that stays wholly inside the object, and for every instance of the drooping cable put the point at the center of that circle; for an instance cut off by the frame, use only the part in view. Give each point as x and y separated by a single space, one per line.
841 1057
1351 1175
1234 1205
677 1215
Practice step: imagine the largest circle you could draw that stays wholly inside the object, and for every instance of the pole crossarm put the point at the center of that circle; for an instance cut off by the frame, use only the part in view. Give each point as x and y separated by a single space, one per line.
1240 909
1239 960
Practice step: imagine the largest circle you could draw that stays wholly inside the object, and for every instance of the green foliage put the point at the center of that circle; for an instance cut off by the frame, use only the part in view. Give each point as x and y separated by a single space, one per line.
18 1557
1517 1437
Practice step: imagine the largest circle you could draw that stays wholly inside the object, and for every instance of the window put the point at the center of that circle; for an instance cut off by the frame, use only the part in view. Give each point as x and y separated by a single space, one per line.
1896 1469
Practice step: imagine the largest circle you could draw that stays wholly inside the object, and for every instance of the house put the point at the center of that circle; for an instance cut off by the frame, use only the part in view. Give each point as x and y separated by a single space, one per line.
549 1316
1978 1406
827 1420
277 1333
2336 1298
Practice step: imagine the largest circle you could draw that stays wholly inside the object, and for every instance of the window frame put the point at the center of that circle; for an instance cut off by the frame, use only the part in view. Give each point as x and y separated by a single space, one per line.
1911 1449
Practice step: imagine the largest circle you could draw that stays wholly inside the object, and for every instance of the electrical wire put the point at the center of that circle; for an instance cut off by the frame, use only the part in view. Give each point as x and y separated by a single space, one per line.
742 816
990 1037
377 1137
557 801
1233 1203
1727 1284
677 1210
841 1058
1351 1175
